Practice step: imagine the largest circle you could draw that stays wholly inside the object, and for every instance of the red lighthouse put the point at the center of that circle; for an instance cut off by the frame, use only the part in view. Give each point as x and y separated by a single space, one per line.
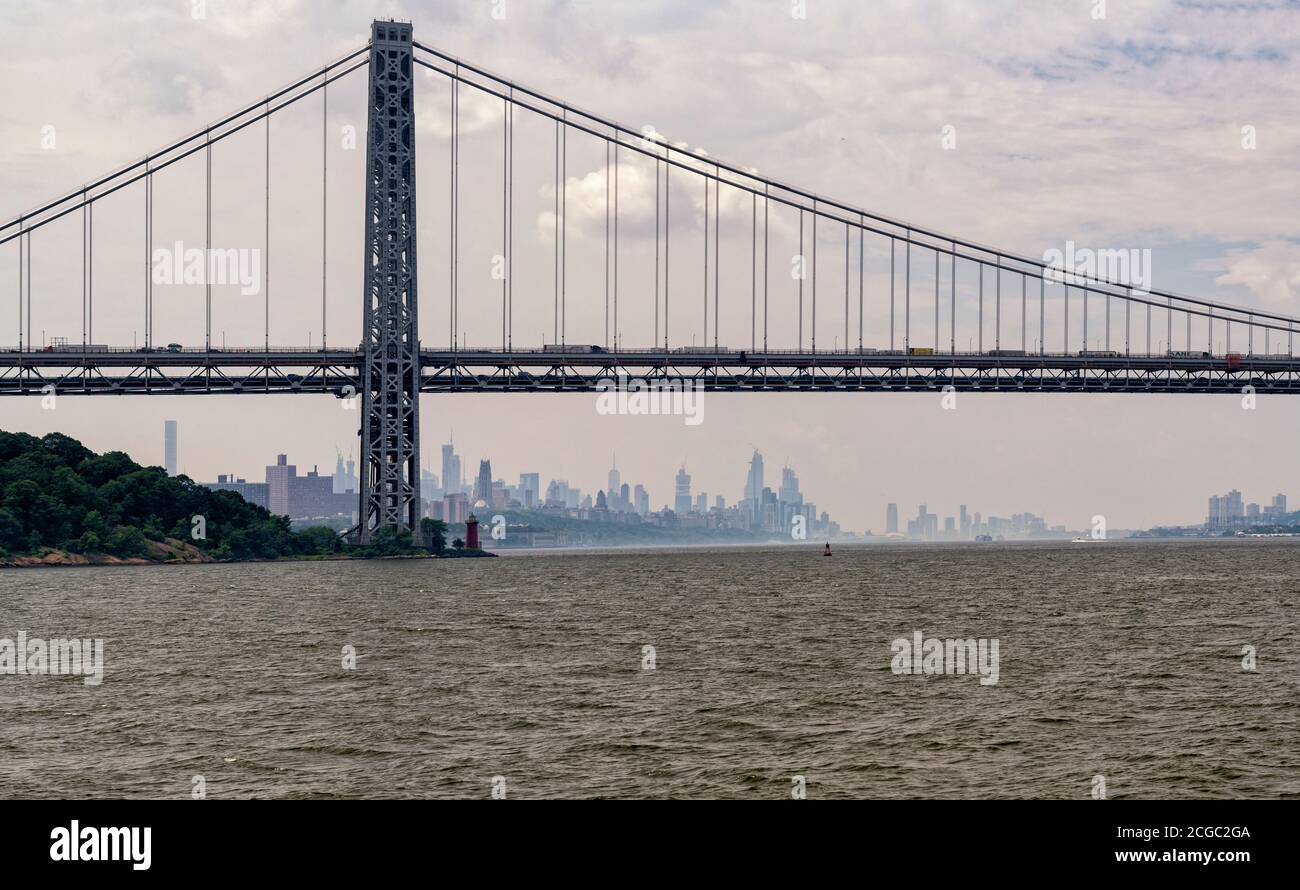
471 532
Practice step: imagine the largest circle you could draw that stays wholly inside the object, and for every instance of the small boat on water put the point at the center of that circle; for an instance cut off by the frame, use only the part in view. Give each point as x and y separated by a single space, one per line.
827 551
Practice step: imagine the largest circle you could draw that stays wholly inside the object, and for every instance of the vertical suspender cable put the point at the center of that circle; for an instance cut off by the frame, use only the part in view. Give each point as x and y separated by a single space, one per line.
451 216
814 277
607 197
907 297
555 336
324 202
892 275
657 202
266 240
936 301
1024 299
564 229
704 337
952 303
148 209
753 271
207 260
510 237
505 212
84 270
803 272
668 219
861 270
717 247
22 236
617 337
766 203
455 209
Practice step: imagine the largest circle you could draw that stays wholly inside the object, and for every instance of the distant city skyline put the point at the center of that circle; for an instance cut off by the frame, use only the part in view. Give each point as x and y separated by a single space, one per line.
684 495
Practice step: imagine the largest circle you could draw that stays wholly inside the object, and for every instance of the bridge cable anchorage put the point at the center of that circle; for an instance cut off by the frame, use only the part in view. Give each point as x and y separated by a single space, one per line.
174 153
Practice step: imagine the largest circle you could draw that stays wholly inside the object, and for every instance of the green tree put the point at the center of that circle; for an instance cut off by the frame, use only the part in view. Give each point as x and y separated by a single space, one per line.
434 532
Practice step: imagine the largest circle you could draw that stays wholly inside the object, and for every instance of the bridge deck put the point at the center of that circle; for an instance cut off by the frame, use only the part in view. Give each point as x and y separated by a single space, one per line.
583 369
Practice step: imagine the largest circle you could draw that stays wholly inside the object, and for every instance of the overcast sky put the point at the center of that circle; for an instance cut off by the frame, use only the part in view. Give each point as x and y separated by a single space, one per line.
1131 130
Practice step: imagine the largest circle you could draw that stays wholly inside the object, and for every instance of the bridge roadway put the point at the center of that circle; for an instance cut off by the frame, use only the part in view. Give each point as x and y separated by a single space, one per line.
159 371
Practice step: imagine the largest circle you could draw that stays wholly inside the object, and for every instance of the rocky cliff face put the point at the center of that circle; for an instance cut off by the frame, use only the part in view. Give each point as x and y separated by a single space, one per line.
169 551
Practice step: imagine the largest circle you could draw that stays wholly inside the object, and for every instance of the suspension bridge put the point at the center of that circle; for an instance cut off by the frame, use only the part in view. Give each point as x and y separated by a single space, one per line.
1014 312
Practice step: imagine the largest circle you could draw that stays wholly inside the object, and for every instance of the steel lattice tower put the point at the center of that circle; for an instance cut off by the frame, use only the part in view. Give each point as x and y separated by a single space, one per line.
390 432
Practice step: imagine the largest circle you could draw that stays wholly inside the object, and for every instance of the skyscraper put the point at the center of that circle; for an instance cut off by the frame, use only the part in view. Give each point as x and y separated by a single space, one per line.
169 446
891 519
642 499
615 482
682 501
452 480
530 489
789 492
754 482
483 485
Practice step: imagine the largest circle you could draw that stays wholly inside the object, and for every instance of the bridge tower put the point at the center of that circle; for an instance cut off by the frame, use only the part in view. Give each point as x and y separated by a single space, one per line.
390 370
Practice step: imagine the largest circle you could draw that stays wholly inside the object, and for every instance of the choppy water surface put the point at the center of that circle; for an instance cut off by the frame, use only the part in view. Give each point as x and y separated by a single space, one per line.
1120 659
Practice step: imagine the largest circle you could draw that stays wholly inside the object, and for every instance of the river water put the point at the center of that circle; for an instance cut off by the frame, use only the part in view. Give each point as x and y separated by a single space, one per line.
530 675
